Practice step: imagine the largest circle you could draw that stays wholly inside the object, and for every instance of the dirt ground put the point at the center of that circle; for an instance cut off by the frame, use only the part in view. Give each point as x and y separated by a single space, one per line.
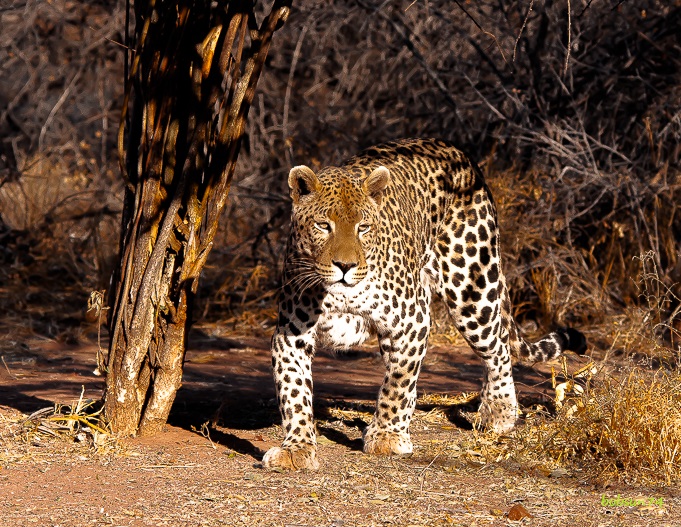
186 477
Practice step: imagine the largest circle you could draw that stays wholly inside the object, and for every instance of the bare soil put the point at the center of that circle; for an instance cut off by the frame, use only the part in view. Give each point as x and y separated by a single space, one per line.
190 477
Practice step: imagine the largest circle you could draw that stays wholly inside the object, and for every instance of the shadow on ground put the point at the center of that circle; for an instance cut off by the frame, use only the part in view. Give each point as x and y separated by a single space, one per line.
227 385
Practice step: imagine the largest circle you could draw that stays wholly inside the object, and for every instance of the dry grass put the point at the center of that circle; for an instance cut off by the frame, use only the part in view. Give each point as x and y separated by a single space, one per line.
612 427
79 423
622 427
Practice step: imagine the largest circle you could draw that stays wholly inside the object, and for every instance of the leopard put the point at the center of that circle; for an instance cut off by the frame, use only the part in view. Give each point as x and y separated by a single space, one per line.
372 241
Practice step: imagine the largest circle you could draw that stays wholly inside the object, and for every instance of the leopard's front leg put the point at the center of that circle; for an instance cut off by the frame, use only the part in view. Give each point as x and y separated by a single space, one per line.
292 365
403 353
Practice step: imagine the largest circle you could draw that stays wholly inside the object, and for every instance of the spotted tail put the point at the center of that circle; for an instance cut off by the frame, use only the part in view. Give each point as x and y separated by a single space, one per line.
548 347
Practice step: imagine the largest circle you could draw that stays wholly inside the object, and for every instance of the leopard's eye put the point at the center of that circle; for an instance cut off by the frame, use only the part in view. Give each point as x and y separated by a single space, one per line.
323 226
363 228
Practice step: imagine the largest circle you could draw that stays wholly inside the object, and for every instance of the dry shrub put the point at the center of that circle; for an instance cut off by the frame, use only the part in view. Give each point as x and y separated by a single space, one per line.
625 422
550 280
78 421
649 329
625 427
577 120
659 314
58 235
580 142
60 86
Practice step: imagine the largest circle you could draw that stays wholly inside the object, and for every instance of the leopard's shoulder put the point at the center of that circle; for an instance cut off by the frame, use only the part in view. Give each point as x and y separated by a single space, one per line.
425 163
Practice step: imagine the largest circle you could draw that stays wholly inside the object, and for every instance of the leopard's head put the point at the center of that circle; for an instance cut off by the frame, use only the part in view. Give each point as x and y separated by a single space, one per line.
335 223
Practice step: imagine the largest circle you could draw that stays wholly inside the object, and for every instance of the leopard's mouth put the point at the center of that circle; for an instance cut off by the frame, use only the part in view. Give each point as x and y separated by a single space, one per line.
341 277
344 283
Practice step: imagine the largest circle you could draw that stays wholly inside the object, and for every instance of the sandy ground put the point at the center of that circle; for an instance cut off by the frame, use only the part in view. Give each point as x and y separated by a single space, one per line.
185 478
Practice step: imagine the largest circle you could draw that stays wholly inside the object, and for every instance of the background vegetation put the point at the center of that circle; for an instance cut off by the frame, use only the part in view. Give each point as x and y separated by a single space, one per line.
580 143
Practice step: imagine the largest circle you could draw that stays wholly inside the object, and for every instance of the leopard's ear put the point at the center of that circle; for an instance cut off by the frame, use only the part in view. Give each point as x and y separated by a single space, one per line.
302 182
374 185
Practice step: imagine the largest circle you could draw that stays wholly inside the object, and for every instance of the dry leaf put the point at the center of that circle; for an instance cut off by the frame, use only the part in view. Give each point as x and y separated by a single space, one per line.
517 513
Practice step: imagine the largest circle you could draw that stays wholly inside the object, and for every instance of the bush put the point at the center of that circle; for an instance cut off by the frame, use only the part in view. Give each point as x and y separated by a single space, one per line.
575 117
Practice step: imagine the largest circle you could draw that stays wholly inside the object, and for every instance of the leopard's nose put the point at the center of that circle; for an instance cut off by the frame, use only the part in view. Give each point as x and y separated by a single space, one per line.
344 266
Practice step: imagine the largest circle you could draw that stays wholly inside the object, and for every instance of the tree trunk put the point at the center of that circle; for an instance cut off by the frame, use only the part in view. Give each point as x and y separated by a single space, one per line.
192 80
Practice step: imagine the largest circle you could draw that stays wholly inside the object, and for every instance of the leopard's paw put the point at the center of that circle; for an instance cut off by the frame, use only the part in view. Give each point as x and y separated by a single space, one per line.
291 458
387 443
498 417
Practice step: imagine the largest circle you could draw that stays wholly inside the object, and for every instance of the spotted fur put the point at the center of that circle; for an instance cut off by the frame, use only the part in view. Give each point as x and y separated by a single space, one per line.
370 242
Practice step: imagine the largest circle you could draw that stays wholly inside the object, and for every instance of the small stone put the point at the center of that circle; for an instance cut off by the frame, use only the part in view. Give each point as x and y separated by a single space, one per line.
517 513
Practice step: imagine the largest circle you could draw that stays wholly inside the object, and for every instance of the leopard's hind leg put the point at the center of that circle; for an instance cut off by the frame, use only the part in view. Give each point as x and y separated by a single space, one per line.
472 286
474 289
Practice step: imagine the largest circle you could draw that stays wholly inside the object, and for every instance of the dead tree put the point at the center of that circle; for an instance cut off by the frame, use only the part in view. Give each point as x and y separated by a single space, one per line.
191 82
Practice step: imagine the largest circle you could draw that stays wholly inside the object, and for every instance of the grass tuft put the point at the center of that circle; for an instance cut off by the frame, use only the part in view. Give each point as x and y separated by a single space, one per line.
624 427
80 422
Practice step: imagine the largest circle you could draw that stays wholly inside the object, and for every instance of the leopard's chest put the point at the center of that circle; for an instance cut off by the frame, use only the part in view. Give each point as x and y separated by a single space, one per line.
348 315
341 300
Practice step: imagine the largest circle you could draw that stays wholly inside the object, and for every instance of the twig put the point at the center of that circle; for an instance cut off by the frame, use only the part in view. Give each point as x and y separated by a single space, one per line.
491 35
484 99
569 42
588 5
205 432
287 96
57 106
7 368
527 16
422 473
12 7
